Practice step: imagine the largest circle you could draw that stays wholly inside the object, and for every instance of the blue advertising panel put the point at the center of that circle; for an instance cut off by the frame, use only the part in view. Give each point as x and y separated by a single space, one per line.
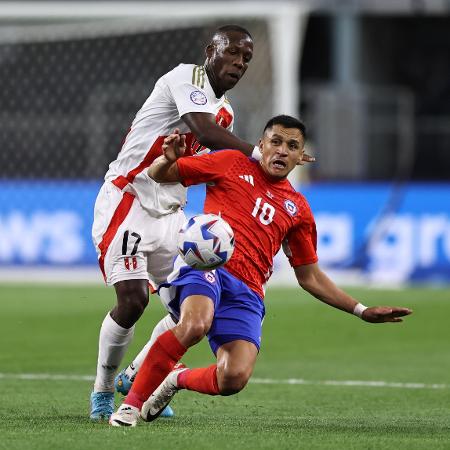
390 233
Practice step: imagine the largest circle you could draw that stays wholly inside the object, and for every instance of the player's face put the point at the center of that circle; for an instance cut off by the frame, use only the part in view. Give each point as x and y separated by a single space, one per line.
282 149
227 60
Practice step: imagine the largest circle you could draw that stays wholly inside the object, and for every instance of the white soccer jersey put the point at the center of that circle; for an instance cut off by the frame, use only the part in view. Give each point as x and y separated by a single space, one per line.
183 90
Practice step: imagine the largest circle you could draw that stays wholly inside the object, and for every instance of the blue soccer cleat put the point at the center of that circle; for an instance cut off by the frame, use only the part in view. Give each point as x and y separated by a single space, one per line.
167 412
123 383
102 405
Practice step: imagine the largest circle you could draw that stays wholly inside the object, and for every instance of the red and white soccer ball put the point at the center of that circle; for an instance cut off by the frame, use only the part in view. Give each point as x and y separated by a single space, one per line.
206 242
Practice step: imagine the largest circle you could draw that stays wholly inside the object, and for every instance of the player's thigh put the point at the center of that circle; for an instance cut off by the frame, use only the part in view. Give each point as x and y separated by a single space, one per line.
238 315
196 316
163 247
120 235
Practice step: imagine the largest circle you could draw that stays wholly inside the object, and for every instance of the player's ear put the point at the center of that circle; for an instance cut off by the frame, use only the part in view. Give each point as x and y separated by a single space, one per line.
209 50
261 145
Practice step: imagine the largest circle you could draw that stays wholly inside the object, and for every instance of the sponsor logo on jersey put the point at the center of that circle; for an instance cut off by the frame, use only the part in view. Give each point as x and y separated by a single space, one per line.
248 179
290 207
269 194
209 276
198 97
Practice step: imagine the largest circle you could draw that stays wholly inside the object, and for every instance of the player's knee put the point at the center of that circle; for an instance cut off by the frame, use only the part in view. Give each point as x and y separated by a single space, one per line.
132 296
192 330
196 330
232 380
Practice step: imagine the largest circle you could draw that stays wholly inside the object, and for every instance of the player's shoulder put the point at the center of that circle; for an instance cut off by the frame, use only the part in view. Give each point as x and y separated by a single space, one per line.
182 71
302 203
229 154
229 158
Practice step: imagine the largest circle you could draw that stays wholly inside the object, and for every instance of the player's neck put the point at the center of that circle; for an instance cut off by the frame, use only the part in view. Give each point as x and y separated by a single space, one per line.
269 177
212 81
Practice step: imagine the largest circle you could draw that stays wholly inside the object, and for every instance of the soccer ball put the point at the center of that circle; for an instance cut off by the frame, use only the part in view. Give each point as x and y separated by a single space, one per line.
206 242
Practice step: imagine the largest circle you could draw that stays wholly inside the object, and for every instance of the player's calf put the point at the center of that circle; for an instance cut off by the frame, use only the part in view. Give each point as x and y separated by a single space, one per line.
132 299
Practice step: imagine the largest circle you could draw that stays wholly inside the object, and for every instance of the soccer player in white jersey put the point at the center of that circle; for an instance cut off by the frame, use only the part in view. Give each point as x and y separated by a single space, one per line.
135 219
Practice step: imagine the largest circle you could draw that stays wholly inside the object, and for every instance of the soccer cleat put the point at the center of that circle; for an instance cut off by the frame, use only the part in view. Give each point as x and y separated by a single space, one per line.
160 399
123 384
102 405
167 412
126 416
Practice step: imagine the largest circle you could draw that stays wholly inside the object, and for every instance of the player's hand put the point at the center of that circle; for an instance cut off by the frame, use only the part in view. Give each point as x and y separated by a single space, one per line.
308 158
380 314
174 145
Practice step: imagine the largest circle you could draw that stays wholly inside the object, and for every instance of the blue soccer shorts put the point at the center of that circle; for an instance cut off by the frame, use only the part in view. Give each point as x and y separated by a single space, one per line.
238 311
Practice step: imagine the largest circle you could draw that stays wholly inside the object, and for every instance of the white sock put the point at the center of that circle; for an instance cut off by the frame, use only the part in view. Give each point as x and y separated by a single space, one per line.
166 323
112 345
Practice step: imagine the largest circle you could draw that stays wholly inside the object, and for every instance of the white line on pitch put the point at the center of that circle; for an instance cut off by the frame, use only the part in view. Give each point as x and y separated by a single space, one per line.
388 384
291 381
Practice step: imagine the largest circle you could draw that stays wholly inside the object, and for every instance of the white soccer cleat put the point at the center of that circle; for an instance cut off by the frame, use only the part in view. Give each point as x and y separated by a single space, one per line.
126 416
162 396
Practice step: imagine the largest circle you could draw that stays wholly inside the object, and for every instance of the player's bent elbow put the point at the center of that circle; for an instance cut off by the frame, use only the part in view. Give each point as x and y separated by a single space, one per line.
307 277
304 282
156 178
151 173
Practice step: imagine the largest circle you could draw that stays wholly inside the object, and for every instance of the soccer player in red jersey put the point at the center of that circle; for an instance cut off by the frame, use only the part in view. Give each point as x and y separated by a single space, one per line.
226 304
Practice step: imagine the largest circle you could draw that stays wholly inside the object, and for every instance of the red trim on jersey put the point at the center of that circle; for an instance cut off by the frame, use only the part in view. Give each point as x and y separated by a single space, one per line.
120 182
118 217
155 151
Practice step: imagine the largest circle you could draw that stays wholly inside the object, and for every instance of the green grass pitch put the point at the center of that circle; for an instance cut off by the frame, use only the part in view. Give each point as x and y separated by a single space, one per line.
54 330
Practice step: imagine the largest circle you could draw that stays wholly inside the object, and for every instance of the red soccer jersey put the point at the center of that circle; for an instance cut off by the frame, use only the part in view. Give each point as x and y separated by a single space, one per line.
263 212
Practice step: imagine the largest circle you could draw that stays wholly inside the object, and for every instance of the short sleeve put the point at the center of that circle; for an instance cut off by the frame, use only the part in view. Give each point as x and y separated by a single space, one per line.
187 96
207 167
300 244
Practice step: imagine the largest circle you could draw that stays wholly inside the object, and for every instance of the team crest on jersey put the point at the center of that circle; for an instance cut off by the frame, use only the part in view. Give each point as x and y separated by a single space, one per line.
209 276
290 207
198 97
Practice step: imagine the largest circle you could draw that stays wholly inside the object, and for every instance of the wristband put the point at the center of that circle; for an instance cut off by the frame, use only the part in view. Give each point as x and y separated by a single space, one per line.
256 153
359 309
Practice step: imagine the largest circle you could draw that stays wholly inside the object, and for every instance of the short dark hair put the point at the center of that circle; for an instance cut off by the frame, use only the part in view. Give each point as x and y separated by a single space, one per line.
227 28
286 122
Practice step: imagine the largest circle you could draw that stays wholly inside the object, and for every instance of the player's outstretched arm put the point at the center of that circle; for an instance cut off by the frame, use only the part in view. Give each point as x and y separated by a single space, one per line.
316 282
215 137
164 168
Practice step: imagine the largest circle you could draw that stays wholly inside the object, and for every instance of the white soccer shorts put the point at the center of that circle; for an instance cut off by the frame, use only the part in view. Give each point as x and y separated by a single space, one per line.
130 243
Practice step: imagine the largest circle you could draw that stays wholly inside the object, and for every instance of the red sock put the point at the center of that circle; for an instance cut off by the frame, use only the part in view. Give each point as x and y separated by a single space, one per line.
202 380
159 362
